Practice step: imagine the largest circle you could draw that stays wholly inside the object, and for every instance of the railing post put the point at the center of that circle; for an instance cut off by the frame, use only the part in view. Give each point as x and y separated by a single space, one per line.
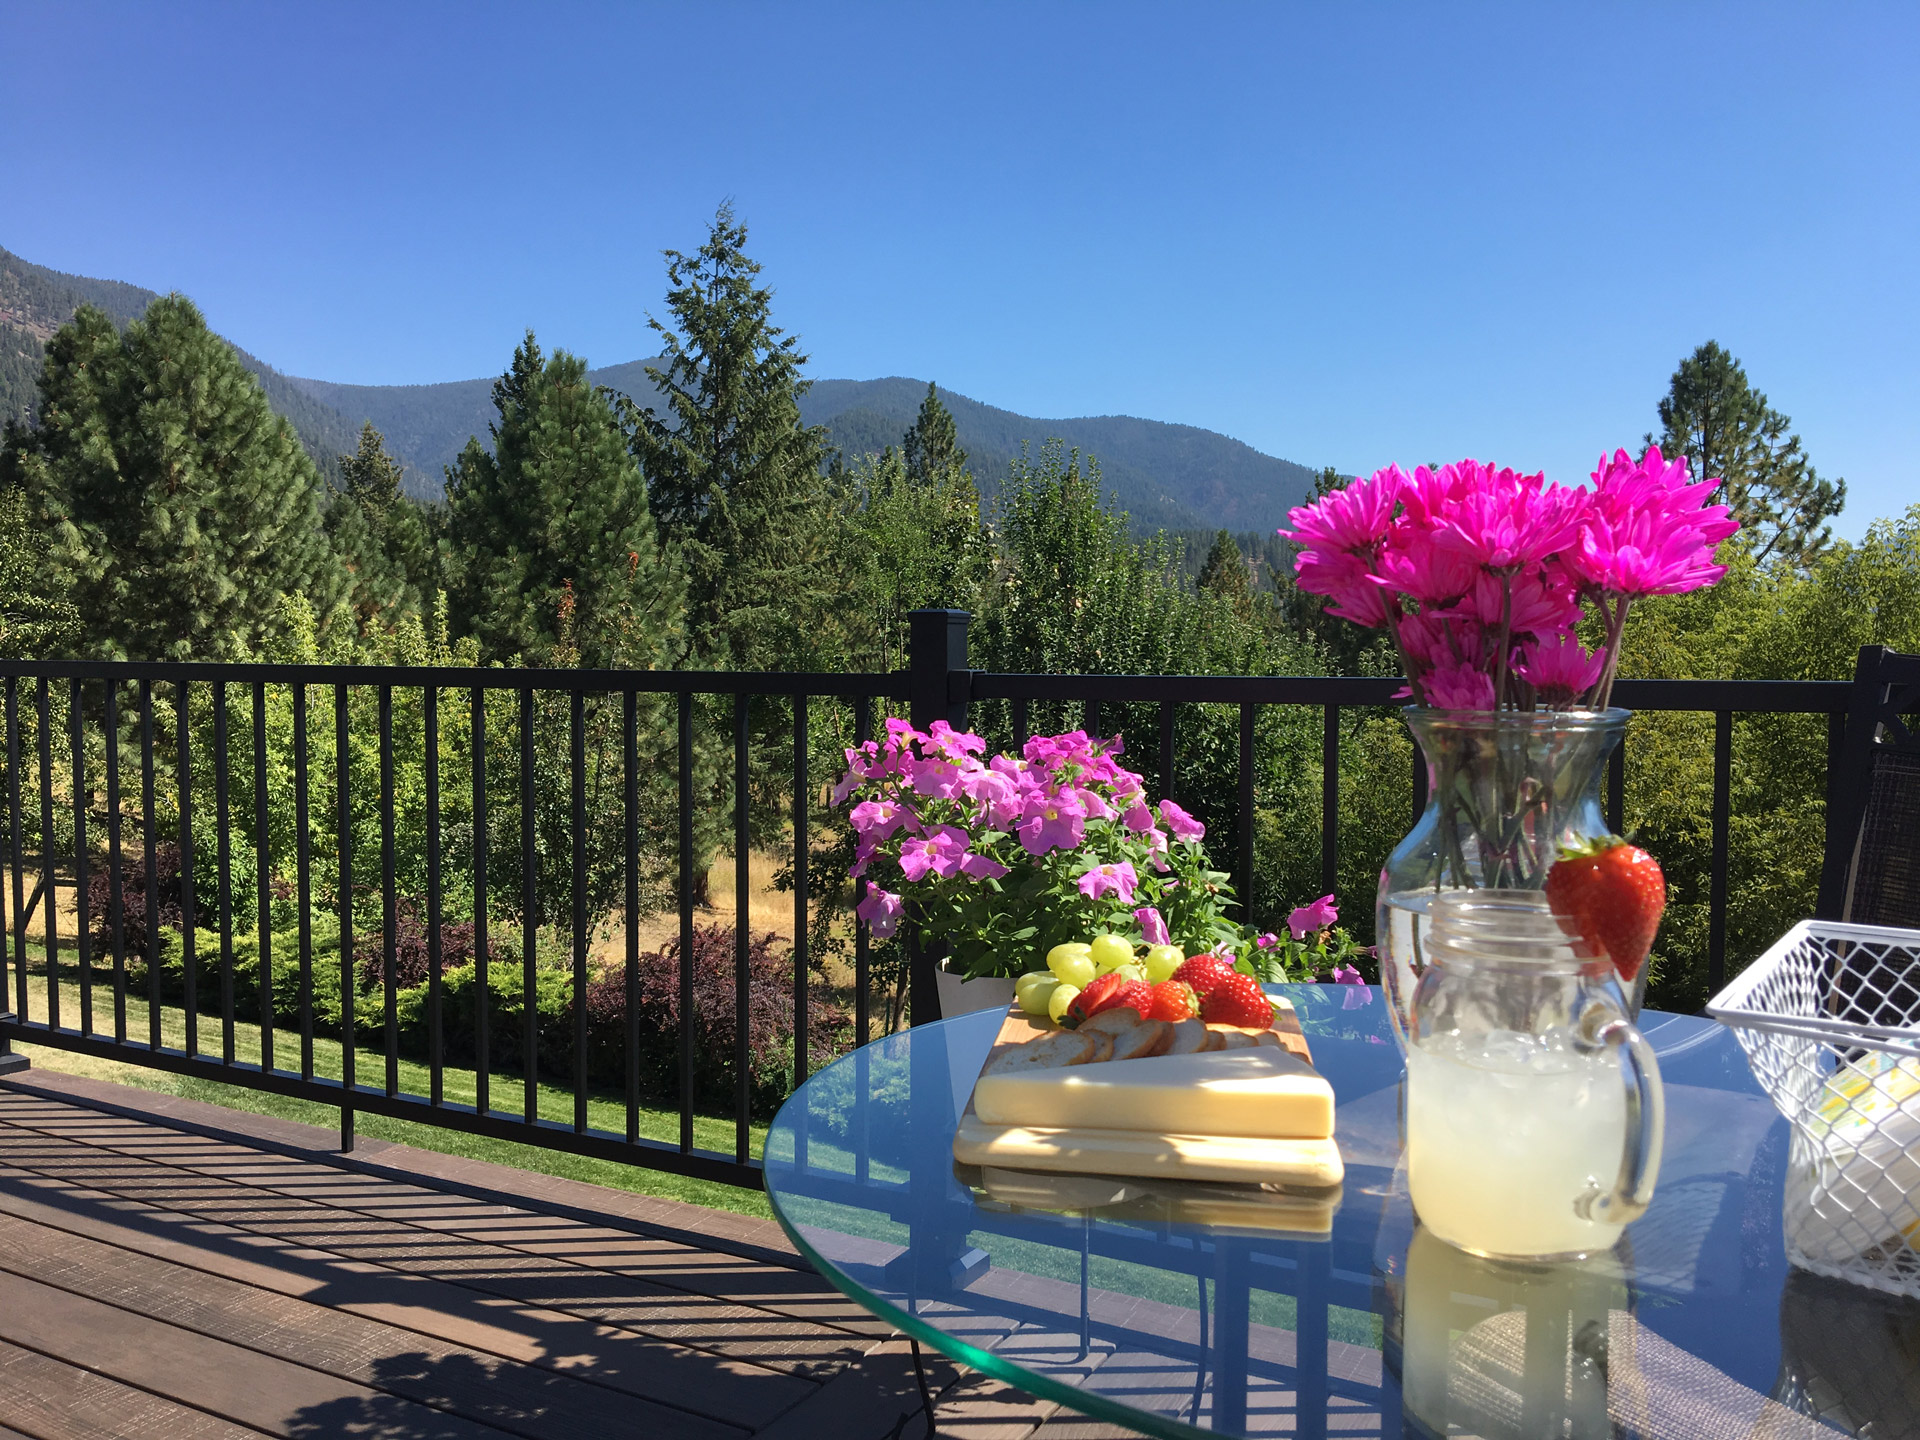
938 683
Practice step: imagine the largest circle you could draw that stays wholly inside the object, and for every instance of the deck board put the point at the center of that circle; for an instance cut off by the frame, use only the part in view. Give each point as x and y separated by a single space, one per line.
163 1277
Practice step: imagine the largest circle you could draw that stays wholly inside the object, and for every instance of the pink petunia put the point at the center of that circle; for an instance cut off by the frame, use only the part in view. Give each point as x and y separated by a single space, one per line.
1153 928
881 910
1303 920
1180 824
1113 878
1053 822
940 852
1266 941
877 819
981 867
1139 817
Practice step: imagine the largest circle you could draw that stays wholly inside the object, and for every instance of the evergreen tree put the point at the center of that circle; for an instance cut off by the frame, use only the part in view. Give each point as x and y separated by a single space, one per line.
932 446
380 533
36 617
734 476
1225 577
181 507
1714 416
554 545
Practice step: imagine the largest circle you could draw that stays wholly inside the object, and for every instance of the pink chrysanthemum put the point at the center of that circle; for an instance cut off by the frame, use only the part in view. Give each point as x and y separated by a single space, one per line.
1559 668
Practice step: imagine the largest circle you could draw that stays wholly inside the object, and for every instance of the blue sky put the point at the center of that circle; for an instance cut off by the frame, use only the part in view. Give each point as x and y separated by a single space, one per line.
1345 234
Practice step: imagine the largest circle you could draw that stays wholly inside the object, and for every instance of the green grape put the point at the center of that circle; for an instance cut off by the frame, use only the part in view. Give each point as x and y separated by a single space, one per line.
1110 952
1162 961
1034 990
1070 965
1063 996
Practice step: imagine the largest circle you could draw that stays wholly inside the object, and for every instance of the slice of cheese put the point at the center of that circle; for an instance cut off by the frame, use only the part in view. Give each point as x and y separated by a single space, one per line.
1313 1164
1256 1093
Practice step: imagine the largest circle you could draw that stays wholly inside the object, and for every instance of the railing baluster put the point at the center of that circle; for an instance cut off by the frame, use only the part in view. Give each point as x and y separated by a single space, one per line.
1021 732
303 877
802 803
223 853
17 861
47 889
529 922
1243 878
630 773
1722 805
150 880
116 899
189 950
577 736
83 926
263 874
430 741
1166 750
389 900
482 970
862 941
1329 799
1092 718
686 920
742 893
343 798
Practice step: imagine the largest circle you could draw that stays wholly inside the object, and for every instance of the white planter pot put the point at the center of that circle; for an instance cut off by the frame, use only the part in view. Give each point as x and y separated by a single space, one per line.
961 997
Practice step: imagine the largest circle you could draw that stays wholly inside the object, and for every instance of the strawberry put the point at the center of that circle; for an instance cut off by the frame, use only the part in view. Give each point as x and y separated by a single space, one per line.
1237 1000
1173 1000
1134 994
1610 894
1092 999
1202 972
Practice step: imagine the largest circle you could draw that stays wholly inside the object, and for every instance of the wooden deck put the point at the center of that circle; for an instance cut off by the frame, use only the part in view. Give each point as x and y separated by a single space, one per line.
173 1270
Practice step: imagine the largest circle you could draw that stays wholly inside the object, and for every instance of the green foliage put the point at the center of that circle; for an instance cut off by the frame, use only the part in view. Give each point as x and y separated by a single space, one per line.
1226 578
931 448
381 533
180 505
1713 415
36 617
553 527
734 476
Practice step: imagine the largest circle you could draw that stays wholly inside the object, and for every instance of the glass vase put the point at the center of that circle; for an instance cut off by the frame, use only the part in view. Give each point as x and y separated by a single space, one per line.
1506 790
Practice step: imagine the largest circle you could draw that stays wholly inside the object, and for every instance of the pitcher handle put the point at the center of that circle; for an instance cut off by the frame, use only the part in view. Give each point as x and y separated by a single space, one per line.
1646 1127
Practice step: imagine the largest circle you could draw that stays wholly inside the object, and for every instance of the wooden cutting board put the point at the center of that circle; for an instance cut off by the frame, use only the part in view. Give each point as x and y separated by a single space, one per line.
1313 1164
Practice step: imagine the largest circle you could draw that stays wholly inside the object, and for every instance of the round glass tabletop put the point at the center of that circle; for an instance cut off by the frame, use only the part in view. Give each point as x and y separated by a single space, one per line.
1180 1310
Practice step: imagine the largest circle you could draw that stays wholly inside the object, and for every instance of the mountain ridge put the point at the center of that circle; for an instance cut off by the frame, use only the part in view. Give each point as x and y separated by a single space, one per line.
1167 475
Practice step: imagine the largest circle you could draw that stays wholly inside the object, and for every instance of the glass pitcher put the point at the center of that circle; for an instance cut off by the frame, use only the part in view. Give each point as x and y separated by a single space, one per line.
1535 1115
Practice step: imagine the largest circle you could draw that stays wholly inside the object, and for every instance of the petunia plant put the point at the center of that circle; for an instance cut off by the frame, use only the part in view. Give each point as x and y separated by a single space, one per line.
1003 858
1481 575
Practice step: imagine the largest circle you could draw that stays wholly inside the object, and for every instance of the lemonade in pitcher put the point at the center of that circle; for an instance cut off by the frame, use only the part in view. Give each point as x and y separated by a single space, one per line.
1534 1109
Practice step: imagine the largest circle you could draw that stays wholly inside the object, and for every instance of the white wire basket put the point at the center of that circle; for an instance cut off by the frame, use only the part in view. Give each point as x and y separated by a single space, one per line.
1830 1020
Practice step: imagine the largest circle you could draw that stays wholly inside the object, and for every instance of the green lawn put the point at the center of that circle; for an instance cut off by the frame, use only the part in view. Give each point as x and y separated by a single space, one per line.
604 1111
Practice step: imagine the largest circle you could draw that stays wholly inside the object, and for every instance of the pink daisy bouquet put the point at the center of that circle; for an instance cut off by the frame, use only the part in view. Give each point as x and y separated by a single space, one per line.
1481 576
1005 857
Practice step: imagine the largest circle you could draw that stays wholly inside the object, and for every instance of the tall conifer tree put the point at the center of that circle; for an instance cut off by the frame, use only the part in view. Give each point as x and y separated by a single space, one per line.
557 515
733 474
1713 415
181 506
931 448
380 532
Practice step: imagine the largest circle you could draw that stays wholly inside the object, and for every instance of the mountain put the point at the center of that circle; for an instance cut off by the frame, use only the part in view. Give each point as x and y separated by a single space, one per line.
36 301
1167 476
1176 477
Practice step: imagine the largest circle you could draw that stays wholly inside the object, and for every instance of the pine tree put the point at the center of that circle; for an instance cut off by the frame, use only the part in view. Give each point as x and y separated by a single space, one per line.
36 617
182 508
380 534
932 446
1225 576
558 513
734 476
1715 417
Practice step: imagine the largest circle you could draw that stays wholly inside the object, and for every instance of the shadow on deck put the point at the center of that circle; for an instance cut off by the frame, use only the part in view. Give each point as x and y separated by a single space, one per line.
174 1270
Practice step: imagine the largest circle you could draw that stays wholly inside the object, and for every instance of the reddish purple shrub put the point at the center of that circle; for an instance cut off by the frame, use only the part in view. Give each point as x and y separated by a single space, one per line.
411 957
137 917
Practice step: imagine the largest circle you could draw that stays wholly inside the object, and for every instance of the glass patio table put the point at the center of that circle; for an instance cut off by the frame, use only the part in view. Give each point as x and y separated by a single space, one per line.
1196 1310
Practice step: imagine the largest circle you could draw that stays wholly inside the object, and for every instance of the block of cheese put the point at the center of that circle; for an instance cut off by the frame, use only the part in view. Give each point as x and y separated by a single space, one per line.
1258 1093
1245 1207
1312 1164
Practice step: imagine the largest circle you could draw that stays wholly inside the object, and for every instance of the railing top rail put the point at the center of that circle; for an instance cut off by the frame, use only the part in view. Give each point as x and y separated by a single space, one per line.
828 684
1740 696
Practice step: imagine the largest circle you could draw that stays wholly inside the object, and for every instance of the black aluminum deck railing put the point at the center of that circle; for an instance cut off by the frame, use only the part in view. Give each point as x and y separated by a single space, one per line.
329 786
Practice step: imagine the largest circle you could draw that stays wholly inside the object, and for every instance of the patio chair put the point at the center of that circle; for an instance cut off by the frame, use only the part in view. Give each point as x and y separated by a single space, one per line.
1871 871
